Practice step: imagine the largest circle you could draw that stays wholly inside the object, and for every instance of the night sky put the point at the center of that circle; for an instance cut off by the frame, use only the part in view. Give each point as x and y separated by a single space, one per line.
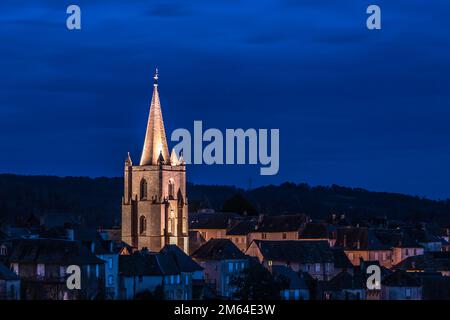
354 107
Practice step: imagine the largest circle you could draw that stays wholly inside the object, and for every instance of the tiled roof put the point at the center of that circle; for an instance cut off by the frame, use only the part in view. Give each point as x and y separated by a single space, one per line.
51 251
396 238
345 280
168 264
140 265
340 259
217 220
218 249
296 251
315 231
242 228
356 238
183 262
400 279
430 261
169 261
422 235
282 223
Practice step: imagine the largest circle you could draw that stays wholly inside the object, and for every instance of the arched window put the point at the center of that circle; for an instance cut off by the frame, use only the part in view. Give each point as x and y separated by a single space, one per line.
171 227
143 189
171 189
142 225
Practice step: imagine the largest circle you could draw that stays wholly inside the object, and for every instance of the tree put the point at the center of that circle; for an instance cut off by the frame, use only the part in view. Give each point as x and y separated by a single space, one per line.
158 294
256 283
237 203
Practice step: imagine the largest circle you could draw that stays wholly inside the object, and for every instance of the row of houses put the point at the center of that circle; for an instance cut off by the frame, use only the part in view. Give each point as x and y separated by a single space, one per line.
334 254
35 267
387 244
310 259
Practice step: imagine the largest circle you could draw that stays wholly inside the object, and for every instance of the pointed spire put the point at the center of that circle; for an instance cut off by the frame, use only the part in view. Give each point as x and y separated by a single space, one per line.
181 159
155 144
128 161
173 158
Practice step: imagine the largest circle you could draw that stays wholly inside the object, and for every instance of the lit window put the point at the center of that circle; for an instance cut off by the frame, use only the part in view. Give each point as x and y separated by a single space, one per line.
408 292
97 270
110 263
110 280
62 271
317 267
230 266
15 267
40 270
269 263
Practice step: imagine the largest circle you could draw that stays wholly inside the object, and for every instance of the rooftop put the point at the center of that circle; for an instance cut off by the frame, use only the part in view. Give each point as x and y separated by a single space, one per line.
218 249
51 251
296 251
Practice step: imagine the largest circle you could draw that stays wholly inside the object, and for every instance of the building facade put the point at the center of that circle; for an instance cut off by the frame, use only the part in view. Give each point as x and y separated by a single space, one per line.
154 205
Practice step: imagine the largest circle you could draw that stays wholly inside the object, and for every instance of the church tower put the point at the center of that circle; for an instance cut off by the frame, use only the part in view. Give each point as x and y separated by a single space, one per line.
154 206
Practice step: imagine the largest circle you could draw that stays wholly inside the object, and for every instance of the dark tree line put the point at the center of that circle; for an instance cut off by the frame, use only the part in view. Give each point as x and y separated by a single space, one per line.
98 200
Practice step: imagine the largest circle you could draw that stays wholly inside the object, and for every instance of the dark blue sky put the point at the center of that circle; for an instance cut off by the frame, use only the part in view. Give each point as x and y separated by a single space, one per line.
354 107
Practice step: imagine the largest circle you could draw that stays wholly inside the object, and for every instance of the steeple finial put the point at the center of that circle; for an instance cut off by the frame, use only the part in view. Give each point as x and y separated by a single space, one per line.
155 143
155 77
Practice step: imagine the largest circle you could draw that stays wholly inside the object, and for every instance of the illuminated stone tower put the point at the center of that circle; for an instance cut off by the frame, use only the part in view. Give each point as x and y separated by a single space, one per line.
154 206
